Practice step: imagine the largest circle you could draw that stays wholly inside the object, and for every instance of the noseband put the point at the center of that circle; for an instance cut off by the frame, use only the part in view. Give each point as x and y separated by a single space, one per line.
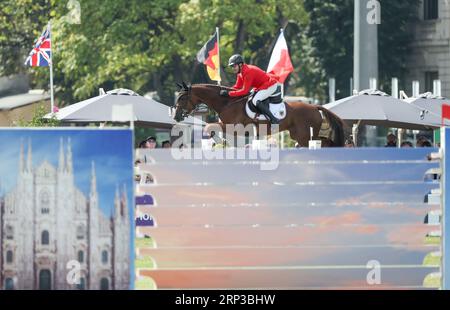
186 92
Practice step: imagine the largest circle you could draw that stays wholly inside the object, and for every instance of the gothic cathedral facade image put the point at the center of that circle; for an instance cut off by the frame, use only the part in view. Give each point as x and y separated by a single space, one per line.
49 228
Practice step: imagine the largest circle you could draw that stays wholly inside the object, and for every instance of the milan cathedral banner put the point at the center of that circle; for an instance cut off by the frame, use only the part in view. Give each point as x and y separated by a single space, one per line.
66 209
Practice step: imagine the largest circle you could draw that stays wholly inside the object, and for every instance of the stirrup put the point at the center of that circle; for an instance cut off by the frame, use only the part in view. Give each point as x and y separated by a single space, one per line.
273 119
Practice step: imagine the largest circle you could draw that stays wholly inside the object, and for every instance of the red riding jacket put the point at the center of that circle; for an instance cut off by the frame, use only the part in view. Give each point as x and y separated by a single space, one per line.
251 77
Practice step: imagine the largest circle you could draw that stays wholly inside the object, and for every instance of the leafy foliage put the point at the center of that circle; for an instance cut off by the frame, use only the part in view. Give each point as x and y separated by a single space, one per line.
150 45
142 45
38 119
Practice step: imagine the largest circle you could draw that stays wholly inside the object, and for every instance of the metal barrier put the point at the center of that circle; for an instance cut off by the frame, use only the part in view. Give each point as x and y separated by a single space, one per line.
330 218
444 157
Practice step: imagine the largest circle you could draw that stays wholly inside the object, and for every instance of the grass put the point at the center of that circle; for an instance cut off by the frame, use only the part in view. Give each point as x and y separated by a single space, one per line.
432 240
144 263
144 283
432 259
144 243
432 281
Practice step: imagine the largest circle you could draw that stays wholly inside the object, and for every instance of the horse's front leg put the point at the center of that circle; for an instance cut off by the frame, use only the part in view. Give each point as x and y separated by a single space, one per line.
216 131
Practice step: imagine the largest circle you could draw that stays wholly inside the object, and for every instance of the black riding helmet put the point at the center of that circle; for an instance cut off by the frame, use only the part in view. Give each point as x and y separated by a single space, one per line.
235 60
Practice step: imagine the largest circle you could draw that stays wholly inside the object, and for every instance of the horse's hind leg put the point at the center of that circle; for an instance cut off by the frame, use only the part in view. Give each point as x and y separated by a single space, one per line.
301 139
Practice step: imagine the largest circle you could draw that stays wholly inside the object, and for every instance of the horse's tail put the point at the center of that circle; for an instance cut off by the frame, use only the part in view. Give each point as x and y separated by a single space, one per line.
337 126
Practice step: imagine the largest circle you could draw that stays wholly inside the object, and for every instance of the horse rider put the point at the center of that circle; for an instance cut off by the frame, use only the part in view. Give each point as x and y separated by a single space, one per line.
251 77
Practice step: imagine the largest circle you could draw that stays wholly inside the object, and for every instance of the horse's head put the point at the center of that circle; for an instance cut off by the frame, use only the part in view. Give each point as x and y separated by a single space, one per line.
190 97
185 102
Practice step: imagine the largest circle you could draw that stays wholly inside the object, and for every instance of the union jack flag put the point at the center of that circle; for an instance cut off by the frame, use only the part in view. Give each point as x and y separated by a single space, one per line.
41 54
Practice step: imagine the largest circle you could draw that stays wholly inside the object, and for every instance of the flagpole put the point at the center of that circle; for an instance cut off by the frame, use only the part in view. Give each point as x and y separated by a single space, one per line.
218 52
281 134
282 84
52 100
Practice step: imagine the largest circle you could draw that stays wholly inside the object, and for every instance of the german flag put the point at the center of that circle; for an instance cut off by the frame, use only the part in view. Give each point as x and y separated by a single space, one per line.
209 56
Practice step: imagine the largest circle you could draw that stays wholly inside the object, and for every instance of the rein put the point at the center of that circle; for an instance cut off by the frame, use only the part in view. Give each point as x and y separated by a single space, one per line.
187 91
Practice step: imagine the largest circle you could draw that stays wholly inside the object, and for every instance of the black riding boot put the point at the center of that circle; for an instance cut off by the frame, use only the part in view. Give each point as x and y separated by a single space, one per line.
263 106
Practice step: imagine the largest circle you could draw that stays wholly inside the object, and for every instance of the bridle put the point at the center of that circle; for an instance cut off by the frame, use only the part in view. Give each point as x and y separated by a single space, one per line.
185 92
184 112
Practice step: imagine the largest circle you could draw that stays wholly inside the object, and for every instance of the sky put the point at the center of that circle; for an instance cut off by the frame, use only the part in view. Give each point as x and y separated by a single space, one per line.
111 152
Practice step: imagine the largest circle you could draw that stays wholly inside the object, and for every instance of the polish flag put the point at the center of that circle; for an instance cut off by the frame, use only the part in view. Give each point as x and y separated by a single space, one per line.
280 63
445 112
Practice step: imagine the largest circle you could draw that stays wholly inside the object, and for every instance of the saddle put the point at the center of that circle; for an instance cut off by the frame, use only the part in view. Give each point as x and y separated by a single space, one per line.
275 98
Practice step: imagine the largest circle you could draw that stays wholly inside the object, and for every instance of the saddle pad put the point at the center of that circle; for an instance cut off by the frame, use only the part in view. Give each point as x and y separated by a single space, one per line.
278 110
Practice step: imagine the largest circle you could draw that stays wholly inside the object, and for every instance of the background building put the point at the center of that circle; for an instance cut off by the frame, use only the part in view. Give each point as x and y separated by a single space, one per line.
18 102
430 49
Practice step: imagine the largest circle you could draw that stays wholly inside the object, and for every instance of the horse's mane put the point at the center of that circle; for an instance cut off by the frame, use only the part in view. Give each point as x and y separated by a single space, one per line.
220 87
212 86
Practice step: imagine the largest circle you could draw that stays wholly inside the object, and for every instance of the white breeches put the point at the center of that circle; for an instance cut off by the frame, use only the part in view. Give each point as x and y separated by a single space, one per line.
265 93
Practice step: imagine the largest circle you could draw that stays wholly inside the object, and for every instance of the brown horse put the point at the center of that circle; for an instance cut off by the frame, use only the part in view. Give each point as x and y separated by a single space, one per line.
299 118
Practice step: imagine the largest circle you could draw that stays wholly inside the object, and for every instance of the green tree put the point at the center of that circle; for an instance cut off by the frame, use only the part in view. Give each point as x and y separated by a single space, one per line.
21 22
144 45
331 31
38 119
249 27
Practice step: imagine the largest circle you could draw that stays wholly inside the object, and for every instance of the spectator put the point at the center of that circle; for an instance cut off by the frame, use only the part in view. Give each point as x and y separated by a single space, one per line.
151 142
423 142
419 141
426 143
166 144
406 144
391 140
143 144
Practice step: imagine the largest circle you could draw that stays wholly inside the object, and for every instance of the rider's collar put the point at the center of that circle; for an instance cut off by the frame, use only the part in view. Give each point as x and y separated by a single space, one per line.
243 68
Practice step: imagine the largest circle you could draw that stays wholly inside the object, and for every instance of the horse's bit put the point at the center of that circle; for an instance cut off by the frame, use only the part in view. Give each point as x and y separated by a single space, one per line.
184 112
